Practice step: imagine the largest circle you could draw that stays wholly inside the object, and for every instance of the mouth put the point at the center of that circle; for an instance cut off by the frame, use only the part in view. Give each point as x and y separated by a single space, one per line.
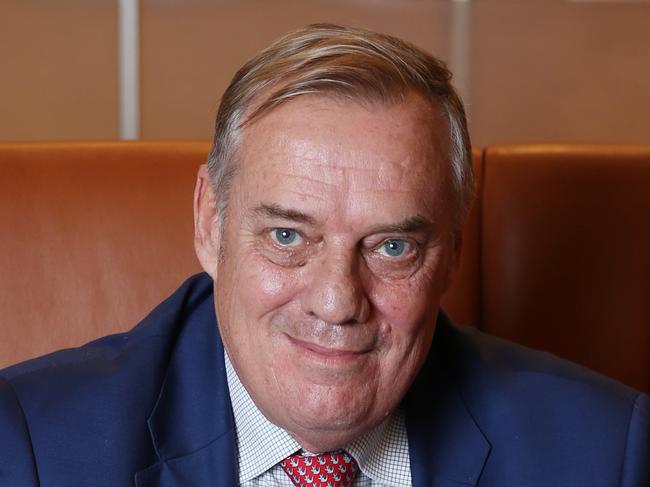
327 353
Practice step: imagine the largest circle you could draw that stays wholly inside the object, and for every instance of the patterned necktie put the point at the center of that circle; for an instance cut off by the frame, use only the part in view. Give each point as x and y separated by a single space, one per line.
336 469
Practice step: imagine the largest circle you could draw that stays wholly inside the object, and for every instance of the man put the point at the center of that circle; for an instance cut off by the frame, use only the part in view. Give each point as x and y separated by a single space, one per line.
328 221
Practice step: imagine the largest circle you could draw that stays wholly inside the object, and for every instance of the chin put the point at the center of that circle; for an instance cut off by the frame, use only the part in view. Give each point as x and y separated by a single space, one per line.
318 437
328 418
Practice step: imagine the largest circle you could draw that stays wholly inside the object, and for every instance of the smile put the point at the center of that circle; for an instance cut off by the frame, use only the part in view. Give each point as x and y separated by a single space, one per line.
326 353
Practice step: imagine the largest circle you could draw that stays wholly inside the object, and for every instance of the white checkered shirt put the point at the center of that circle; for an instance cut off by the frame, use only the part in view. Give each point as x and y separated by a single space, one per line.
382 454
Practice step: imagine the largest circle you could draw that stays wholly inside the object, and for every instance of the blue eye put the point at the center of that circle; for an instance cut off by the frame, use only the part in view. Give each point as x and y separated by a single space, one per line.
286 236
393 247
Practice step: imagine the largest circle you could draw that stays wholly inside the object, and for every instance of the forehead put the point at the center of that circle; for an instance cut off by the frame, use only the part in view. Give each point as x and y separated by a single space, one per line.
323 148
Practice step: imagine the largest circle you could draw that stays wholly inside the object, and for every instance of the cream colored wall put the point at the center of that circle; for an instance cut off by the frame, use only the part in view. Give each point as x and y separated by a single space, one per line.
531 71
560 71
190 50
58 71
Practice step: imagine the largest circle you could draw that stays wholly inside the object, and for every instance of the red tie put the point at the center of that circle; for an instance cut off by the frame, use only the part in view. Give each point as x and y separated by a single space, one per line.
327 470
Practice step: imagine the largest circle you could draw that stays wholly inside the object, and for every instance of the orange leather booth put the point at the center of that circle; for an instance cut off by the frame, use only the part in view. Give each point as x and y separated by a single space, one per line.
556 248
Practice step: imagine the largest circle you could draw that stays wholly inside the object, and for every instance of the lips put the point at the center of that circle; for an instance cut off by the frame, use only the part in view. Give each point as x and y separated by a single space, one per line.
326 342
328 352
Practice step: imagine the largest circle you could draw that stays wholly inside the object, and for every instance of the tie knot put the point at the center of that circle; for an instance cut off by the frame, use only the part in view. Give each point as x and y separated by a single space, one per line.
337 469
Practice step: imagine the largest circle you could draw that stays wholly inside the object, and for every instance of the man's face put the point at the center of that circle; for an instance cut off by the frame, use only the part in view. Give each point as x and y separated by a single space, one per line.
336 249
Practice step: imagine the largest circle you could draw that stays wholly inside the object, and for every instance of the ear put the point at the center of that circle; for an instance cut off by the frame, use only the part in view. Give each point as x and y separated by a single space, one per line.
207 231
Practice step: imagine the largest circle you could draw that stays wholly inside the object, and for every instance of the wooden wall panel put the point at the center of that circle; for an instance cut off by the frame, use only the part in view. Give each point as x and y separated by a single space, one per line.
560 71
535 71
59 71
191 49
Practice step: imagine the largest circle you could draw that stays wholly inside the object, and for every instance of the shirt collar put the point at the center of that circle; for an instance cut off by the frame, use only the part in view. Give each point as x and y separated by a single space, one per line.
382 453
260 443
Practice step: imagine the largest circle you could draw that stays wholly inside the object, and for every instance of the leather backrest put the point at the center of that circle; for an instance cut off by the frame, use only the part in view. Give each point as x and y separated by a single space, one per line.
566 253
92 236
555 249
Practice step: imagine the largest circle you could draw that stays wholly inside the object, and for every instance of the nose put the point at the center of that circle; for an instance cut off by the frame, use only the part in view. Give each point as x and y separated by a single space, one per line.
335 293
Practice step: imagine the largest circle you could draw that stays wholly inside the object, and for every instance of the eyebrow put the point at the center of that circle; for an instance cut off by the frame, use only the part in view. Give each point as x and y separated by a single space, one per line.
407 225
276 211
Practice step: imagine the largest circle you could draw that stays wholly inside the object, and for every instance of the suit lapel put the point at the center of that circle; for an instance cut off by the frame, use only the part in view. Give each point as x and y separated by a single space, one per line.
212 465
446 446
191 425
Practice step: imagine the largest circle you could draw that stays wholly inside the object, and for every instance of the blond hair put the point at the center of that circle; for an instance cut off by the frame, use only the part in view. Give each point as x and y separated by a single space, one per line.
344 61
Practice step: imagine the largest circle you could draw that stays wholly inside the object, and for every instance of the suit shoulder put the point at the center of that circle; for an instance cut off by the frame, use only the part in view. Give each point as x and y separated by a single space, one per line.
135 356
76 412
513 365
543 414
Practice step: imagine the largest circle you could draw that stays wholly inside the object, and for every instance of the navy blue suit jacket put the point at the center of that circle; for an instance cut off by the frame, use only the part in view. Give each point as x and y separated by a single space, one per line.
151 408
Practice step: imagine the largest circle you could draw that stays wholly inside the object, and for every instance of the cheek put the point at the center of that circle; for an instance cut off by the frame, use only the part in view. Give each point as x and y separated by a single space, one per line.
404 307
407 316
407 304
270 286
